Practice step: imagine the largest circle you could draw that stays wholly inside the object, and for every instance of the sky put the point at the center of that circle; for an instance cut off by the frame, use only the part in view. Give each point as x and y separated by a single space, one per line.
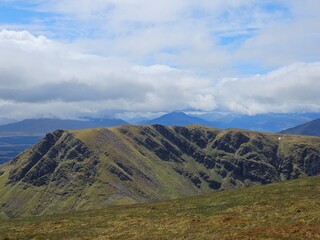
140 58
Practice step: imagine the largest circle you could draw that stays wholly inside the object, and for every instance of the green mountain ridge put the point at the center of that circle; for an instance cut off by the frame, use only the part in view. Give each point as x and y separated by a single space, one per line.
95 168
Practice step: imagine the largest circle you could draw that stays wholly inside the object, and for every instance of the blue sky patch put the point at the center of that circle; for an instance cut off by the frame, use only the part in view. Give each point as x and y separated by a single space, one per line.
19 14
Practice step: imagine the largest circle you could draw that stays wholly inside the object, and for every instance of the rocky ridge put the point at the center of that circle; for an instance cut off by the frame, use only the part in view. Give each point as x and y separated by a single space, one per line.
93 168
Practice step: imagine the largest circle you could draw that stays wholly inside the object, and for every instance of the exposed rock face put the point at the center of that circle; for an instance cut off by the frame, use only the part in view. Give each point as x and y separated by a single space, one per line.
230 142
75 170
35 155
45 157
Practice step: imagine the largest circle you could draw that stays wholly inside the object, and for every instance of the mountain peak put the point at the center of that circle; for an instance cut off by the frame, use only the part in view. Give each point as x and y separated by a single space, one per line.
176 113
178 119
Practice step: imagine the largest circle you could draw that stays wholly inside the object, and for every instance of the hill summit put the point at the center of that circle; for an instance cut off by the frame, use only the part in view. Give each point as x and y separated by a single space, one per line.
94 168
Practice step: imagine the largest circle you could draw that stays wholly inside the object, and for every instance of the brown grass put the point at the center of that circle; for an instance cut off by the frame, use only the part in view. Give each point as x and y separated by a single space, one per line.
288 210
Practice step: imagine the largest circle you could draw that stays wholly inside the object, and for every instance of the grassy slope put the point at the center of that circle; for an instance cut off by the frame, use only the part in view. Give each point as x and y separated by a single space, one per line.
119 146
288 210
24 201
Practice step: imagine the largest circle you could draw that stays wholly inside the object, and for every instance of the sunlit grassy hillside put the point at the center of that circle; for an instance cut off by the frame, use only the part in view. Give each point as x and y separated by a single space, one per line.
288 210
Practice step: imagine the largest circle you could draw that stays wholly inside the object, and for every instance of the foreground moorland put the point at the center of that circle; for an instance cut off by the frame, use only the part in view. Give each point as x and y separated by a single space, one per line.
96 168
287 210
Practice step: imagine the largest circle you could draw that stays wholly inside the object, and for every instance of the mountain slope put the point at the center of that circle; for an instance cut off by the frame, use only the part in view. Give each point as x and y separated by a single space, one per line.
178 119
310 128
12 146
288 210
94 168
38 127
17 137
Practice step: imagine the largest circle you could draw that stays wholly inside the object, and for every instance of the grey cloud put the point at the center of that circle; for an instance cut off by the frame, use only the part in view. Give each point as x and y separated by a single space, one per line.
72 91
40 76
39 72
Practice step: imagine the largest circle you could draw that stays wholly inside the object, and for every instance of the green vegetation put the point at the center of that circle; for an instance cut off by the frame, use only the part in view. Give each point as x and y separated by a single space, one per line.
288 210
96 168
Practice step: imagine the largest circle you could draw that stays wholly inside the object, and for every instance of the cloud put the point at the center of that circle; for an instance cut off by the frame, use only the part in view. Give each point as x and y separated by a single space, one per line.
45 77
40 75
204 36
74 58
294 88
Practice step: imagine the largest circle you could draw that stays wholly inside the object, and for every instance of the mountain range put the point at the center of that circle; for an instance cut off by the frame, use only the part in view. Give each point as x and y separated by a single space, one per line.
95 168
17 137
310 128
271 122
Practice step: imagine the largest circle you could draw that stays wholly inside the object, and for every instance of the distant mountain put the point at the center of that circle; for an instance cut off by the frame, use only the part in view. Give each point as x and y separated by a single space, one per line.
269 122
94 168
310 128
16 137
178 119
39 127
6 121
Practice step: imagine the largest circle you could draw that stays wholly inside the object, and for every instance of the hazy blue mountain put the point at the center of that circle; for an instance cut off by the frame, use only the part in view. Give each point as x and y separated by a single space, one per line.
39 127
310 128
269 122
29 131
17 137
178 119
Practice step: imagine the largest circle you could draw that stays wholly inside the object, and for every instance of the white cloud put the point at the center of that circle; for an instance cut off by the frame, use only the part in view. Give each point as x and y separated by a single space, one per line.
108 56
292 88
212 37
43 76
